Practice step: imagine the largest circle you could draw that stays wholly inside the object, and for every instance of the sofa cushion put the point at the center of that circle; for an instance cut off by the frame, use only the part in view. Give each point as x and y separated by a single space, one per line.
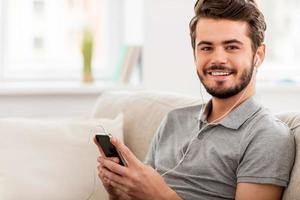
293 121
143 113
51 159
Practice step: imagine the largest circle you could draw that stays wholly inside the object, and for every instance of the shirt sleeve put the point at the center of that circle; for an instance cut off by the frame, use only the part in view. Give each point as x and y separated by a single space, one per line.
267 155
150 156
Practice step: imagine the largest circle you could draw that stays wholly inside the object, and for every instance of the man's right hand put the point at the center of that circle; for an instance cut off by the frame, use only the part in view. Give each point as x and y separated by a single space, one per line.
114 194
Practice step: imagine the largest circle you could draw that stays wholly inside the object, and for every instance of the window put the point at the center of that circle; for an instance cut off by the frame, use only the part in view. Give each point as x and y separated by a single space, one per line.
41 39
282 39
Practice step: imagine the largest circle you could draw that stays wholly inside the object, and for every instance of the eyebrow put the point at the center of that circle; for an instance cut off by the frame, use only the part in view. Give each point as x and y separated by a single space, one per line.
204 43
232 41
224 42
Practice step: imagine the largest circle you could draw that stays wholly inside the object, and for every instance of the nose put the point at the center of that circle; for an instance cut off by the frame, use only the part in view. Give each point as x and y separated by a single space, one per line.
219 57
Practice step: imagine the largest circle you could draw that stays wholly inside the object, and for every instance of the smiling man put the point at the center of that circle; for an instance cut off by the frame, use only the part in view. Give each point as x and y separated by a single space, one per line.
229 148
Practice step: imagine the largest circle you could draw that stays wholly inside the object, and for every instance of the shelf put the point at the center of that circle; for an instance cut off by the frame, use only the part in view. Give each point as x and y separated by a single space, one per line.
59 88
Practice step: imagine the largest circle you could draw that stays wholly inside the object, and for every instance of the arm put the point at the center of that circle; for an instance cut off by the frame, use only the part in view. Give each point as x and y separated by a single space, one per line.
137 180
266 163
249 191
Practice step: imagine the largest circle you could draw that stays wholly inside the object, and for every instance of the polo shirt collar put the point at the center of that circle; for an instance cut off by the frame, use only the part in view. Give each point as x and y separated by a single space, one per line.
236 117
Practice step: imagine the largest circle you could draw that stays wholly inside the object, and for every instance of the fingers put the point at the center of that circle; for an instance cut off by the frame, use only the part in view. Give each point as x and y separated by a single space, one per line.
100 166
125 151
120 187
104 180
111 176
113 188
113 167
114 159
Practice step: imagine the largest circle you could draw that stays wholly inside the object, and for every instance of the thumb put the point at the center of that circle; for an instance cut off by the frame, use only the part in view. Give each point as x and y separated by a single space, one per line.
125 151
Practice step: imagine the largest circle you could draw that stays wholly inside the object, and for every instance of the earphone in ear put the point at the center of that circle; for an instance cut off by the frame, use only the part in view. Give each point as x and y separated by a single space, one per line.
256 64
257 61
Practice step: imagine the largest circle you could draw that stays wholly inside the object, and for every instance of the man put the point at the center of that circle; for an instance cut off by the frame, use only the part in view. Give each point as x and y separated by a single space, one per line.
230 148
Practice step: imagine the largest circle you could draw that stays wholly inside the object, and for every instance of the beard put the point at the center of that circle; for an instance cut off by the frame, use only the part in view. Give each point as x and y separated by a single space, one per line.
245 79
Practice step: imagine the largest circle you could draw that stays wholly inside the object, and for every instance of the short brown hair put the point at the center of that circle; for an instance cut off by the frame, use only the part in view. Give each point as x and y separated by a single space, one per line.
238 10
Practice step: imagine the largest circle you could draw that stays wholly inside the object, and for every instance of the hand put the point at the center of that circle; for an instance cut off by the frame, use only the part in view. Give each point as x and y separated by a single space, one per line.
136 180
114 193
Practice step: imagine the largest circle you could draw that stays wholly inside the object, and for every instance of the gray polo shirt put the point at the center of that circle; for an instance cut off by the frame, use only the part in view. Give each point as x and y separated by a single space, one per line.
248 145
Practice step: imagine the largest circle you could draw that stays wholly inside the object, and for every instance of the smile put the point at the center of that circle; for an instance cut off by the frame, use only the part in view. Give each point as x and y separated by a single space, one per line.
219 72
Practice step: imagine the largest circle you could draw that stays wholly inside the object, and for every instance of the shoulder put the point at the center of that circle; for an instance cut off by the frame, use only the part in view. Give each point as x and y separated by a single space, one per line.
185 112
265 124
267 133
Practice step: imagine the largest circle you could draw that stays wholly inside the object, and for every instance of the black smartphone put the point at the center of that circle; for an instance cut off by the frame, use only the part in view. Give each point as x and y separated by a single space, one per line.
108 148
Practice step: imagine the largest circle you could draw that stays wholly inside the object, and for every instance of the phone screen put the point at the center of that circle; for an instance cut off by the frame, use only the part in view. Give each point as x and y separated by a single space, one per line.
108 148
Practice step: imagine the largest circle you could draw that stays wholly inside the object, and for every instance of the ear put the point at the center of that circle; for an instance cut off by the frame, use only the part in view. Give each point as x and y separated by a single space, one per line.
260 55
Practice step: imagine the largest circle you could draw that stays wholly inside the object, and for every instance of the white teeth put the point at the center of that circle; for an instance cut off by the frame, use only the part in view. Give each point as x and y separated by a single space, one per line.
219 73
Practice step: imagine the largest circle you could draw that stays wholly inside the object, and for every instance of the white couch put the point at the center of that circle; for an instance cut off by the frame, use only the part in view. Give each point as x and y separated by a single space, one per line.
143 112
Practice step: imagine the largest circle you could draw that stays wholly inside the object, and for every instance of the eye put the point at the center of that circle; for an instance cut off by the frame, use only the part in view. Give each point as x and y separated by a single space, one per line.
232 47
206 48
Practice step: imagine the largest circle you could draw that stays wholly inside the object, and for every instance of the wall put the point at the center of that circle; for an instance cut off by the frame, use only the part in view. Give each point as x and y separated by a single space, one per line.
168 58
285 98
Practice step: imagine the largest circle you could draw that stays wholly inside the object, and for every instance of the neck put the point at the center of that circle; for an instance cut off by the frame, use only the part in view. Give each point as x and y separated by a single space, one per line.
221 106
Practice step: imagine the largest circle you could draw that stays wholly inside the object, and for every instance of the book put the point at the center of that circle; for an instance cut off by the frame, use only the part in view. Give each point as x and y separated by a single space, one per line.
131 62
120 63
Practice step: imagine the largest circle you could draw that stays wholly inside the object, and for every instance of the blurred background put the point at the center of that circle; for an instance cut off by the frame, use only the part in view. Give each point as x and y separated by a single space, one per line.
57 56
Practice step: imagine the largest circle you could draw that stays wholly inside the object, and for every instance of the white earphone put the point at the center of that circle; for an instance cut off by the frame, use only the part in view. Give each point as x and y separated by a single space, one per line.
257 61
